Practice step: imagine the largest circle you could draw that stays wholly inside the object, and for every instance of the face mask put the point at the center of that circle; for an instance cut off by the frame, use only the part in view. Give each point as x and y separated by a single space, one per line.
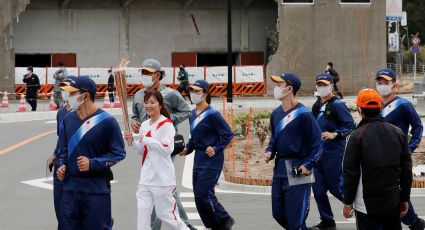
279 93
196 98
65 95
384 90
324 91
29 72
147 81
74 103
181 68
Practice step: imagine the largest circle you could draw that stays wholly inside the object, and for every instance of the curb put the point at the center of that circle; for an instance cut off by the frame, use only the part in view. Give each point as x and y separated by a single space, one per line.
225 185
36 116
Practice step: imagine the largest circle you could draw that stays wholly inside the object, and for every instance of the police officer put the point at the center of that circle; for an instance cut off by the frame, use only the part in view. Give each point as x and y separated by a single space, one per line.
296 145
401 113
33 86
336 123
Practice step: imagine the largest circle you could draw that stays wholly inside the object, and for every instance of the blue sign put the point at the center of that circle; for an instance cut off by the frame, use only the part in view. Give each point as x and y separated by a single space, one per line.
415 49
394 18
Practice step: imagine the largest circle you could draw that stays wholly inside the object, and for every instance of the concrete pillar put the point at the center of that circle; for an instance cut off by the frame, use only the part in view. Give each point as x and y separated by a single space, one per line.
9 10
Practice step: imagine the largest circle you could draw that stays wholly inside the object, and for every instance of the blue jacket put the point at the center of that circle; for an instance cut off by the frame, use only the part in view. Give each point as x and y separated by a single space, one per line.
401 113
300 139
103 145
208 129
340 121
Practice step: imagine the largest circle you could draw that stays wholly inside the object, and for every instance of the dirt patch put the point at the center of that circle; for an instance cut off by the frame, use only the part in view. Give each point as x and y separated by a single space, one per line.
251 168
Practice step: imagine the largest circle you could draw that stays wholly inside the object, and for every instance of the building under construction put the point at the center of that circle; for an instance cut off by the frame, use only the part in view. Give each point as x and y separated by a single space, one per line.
283 35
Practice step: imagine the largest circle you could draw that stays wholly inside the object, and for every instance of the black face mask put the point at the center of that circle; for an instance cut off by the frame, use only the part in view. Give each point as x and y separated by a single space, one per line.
181 68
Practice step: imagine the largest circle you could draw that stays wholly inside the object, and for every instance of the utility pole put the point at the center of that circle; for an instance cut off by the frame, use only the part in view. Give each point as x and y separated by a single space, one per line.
229 53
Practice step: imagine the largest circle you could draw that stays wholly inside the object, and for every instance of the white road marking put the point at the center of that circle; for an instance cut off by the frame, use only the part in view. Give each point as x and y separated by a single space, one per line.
51 122
186 194
193 216
189 204
42 183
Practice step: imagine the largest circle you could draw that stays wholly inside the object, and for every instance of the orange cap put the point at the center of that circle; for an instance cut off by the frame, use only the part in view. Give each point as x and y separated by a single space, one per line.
366 96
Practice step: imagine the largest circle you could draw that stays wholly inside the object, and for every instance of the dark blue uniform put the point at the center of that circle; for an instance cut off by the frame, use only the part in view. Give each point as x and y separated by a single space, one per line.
295 141
57 184
401 113
334 117
86 199
208 129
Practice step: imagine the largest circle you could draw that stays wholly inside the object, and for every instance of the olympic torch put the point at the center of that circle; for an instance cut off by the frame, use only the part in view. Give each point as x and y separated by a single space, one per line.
121 86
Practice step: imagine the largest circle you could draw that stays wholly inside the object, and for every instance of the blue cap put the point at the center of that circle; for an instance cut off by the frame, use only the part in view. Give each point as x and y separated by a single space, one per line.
200 85
83 83
387 74
290 78
324 78
67 81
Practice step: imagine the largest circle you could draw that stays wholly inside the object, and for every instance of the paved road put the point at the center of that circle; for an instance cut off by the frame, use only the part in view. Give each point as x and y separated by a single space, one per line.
24 206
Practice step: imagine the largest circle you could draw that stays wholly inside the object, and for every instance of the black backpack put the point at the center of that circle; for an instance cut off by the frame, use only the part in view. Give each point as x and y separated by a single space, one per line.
328 108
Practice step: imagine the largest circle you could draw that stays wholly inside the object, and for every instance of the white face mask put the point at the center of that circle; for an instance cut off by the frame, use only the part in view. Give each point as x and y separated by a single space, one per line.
74 103
384 90
147 81
197 98
65 95
280 93
29 72
324 91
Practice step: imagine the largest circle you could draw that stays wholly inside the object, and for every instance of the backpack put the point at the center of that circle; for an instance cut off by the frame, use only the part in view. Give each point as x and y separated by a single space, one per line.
328 108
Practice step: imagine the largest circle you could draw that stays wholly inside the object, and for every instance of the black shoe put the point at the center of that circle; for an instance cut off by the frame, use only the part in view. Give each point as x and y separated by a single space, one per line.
418 225
326 225
191 227
228 224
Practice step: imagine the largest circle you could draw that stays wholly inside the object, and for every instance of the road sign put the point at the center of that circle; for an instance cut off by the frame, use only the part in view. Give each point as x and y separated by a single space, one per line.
393 10
403 18
416 49
416 40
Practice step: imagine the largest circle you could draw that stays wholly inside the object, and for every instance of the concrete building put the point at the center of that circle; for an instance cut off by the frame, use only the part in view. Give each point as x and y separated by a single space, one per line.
100 33
349 33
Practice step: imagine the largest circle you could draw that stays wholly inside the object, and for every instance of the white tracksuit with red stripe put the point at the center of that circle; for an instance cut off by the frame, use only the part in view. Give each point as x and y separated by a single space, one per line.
157 181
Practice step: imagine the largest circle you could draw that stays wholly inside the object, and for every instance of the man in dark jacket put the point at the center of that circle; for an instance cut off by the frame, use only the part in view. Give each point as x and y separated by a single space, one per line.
111 86
377 169
330 70
33 86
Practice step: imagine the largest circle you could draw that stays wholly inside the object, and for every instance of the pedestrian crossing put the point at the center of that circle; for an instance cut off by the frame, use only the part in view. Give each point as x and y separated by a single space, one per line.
188 202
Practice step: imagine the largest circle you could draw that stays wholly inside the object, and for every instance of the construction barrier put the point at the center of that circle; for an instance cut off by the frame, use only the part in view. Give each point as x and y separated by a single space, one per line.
247 80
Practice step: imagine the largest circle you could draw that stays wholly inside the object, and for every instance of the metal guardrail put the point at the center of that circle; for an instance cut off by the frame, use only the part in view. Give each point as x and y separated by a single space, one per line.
394 67
408 68
422 68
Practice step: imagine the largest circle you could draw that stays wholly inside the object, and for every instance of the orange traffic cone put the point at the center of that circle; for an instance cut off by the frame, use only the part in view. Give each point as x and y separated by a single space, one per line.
22 106
5 101
52 104
106 102
117 103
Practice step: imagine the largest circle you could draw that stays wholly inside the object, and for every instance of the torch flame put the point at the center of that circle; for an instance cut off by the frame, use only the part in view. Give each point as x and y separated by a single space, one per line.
124 63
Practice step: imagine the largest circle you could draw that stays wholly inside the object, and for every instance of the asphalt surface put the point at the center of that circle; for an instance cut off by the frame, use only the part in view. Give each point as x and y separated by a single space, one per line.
25 206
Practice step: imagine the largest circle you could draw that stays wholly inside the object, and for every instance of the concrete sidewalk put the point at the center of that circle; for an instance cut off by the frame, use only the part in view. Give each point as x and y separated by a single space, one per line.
239 104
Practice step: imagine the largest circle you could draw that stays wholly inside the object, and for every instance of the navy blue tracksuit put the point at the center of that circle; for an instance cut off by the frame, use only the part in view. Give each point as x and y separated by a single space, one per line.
86 198
401 113
208 129
295 141
57 184
336 119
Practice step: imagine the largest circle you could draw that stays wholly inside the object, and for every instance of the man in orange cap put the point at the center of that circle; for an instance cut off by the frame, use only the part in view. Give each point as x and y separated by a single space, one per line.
377 169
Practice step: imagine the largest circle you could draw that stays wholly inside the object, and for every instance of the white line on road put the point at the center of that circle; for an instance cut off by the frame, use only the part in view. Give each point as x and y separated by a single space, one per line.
186 194
51 122
193 216
189 204
42 183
